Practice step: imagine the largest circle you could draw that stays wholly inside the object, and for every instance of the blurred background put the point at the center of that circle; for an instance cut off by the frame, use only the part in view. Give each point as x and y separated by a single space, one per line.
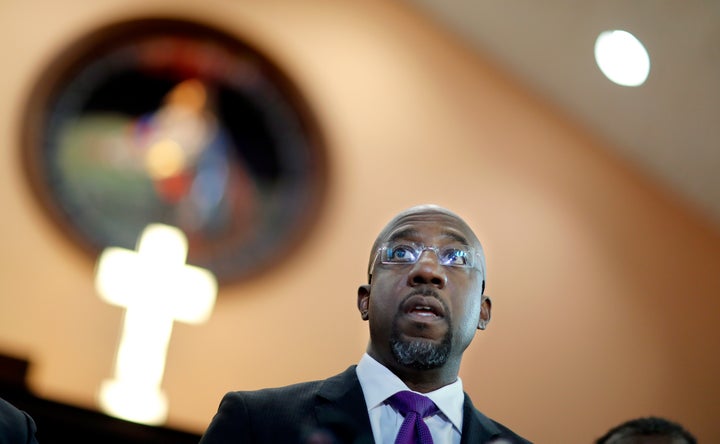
597 204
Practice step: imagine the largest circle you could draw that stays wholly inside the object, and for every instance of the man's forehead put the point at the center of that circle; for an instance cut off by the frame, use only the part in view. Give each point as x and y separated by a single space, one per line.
417 231
416 221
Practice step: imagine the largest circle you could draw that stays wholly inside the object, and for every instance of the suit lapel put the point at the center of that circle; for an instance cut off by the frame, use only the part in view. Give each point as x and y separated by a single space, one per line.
477 428
341 408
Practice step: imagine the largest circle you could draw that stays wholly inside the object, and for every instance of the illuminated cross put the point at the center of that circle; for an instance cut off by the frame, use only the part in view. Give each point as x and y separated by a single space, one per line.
157 288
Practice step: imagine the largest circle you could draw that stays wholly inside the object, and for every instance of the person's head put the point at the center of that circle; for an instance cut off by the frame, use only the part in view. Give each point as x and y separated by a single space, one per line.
424 298
650 430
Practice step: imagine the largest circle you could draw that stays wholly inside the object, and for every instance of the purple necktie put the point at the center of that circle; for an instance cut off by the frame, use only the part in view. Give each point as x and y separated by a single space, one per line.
414 408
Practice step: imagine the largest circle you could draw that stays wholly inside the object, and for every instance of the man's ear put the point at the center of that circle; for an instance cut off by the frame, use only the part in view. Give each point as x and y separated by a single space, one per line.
363 301
485 309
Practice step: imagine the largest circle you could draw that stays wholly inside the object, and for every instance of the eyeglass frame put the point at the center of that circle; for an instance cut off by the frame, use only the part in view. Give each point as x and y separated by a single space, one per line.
421 248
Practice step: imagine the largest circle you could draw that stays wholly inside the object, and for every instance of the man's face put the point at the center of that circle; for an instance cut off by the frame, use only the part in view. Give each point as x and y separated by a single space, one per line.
422 314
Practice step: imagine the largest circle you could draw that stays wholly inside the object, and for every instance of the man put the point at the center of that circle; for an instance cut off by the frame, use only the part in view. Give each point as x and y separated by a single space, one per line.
424 301
16 426
650 430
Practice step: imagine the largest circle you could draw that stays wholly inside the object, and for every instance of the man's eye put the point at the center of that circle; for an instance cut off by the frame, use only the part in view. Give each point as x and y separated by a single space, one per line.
454 256
401 253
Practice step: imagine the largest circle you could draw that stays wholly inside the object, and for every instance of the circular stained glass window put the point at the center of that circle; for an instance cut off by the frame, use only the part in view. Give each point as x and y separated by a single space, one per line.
180 123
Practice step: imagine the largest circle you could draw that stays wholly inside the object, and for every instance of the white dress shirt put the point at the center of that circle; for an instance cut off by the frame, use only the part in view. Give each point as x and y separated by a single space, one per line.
378 383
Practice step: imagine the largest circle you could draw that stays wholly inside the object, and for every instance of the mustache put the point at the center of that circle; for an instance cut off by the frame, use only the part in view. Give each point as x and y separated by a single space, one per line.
423 292
427 292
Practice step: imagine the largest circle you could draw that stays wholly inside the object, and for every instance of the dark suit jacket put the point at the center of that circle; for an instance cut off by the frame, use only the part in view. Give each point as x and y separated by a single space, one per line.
16 426
334 407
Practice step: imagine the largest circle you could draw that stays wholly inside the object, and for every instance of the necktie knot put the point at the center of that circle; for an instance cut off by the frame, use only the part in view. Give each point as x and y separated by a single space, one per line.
414 407
407 401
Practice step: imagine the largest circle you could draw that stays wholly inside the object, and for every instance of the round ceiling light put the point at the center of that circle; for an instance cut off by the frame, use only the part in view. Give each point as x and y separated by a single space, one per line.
622 58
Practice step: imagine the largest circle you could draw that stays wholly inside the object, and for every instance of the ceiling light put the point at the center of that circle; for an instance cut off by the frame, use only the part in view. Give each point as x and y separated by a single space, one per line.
622 58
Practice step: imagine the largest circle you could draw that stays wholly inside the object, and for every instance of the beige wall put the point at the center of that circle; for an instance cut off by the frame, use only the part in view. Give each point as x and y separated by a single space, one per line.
605 288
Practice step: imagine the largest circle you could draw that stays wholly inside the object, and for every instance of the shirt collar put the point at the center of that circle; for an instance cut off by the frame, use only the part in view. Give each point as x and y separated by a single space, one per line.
379 383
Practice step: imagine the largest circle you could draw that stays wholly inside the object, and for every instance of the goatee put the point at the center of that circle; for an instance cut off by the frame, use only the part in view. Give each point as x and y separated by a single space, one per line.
420 354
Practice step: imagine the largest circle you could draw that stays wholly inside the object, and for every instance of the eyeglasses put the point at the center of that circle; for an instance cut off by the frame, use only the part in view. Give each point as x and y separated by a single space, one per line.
396 253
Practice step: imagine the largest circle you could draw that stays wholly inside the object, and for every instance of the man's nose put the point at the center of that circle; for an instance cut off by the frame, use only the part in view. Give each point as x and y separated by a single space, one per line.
427 270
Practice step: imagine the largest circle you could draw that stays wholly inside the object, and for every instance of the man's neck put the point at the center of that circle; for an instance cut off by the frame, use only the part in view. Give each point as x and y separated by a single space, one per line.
421 380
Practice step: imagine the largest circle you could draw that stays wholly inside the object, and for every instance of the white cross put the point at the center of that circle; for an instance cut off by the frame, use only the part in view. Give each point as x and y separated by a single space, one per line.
157 288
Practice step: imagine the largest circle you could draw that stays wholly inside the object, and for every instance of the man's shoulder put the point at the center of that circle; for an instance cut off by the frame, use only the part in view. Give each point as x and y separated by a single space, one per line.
508 436
279 414
15 424
292 393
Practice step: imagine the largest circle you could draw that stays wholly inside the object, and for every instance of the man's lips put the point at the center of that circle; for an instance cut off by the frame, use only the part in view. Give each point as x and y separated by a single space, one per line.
425 307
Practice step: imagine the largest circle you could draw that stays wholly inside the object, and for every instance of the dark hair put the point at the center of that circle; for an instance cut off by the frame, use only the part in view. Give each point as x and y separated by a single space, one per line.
649 426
